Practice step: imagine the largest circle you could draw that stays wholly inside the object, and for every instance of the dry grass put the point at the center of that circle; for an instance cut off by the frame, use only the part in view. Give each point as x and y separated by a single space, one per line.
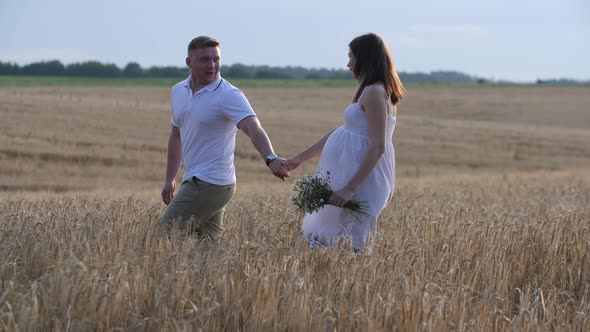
489 228
62 139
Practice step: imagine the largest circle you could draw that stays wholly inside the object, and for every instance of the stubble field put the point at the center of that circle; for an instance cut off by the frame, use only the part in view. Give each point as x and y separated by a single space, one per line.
489 228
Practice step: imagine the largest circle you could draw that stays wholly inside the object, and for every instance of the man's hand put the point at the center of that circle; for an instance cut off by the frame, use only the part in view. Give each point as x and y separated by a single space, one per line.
279 169
168 191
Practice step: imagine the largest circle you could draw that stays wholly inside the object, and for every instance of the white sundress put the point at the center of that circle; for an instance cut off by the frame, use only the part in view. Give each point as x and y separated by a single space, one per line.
340 159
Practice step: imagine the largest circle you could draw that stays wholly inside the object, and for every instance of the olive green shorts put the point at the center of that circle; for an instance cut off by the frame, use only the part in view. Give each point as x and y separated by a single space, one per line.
198 207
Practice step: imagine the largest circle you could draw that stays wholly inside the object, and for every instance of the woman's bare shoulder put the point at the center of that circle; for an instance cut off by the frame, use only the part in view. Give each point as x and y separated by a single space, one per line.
376 93
375 90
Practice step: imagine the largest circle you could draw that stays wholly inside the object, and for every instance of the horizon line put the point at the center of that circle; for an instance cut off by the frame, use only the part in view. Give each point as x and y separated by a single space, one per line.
474 76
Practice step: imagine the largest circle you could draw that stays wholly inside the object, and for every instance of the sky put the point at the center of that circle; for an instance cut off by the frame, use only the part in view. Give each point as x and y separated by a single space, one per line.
517 40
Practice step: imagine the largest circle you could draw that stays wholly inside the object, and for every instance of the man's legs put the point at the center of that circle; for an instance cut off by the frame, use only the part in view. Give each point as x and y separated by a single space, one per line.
198 207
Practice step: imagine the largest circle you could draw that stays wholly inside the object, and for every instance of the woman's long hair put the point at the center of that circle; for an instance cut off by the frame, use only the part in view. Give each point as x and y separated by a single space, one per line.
375 65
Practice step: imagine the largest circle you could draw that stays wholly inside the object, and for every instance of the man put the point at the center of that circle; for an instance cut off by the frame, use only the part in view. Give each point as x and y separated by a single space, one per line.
207 111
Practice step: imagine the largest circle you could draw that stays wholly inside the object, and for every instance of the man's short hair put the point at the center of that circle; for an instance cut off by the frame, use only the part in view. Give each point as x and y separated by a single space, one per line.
201 42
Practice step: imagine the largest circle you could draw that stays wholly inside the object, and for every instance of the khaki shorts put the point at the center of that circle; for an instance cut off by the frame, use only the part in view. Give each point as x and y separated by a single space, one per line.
198 207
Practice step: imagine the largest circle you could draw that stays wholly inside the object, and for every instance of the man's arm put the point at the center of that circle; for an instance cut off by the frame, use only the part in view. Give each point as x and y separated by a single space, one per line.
252 128
172 165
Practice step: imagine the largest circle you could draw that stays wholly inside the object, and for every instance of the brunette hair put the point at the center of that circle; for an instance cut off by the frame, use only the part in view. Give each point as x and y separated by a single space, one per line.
375 65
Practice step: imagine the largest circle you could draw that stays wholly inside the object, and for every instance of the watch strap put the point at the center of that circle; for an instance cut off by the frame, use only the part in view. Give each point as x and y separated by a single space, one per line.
270 158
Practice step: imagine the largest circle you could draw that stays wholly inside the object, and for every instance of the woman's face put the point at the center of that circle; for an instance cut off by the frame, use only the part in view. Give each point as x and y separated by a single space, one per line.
351 62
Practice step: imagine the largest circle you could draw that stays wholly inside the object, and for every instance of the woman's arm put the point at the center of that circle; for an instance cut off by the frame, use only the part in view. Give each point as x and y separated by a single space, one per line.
312 151
375 106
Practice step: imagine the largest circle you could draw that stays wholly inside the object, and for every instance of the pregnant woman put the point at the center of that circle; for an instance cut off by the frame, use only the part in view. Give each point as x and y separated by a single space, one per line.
358 156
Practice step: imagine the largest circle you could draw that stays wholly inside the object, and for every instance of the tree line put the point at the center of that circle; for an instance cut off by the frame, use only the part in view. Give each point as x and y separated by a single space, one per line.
88 69
134 70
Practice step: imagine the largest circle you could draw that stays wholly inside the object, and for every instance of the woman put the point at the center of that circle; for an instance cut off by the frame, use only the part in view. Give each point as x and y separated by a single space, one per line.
358 156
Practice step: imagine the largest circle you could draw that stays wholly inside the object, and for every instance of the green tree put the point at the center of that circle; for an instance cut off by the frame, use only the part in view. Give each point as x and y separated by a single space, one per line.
269 73
93 69
168 71
133 69
7 68
44 68
237 71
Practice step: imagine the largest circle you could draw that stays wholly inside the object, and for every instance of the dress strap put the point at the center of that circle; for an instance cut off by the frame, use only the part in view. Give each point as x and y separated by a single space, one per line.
390 106
365 89
362 94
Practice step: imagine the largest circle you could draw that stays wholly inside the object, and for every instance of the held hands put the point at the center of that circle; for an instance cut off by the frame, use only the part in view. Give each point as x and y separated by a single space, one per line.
168 191
281 167
278 168
281 170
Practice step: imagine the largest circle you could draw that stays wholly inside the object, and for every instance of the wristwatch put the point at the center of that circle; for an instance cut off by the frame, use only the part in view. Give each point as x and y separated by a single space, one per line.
270 158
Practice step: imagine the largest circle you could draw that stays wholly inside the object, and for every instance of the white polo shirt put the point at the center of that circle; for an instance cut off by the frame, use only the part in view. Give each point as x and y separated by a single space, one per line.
208 125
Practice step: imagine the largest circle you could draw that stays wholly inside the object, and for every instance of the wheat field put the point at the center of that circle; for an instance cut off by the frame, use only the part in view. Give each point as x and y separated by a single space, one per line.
489 228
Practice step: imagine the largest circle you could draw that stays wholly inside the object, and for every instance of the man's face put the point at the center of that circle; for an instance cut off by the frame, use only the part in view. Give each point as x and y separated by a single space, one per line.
204 64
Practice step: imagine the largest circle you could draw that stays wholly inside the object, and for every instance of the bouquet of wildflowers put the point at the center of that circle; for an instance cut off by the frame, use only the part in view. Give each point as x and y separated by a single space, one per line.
313 192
